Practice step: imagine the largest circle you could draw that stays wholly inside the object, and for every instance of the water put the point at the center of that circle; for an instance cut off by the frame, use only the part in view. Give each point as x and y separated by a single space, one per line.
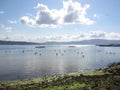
24 62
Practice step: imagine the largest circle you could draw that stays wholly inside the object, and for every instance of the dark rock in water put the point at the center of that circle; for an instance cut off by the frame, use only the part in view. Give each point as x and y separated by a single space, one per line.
40 47
113 68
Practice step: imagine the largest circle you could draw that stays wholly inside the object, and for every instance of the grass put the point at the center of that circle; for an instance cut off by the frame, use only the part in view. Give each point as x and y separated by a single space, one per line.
91 73
92 80
73 86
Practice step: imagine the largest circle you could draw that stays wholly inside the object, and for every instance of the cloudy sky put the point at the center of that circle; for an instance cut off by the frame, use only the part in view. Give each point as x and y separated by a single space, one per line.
59 20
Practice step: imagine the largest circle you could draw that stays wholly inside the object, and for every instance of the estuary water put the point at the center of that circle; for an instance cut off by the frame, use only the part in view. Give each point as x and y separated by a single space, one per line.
25 61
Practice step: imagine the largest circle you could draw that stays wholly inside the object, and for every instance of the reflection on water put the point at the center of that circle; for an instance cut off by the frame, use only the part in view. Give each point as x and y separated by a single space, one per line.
20 62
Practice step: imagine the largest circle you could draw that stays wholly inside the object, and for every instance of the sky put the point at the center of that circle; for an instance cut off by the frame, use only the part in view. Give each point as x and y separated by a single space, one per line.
59 20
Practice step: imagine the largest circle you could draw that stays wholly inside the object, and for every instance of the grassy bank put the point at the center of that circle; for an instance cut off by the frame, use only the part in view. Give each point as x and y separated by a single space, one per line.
103 79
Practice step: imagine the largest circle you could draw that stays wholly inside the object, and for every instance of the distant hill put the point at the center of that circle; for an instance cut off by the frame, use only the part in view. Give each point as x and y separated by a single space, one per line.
16 43
84 42
96 42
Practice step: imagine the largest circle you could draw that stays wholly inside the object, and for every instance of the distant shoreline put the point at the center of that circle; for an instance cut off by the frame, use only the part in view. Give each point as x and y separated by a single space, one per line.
17 43
99 42
110 45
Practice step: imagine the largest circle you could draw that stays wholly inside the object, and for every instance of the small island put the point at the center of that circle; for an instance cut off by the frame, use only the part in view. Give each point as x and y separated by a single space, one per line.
109 45
40 47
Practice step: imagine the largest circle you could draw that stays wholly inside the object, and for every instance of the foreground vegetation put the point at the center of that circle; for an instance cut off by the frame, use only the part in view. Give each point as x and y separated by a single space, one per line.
104 79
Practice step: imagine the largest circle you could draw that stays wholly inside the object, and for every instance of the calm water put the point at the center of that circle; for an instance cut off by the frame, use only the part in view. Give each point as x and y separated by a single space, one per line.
21 62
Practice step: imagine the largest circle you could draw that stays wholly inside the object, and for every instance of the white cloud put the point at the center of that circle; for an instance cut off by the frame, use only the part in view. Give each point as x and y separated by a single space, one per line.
8 29
12 21
71 13
80 36
27 20
5 28
1 12
64 37
94 15
16 37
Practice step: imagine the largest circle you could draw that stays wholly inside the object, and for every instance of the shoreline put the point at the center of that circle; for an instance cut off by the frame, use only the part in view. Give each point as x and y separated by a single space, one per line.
101 79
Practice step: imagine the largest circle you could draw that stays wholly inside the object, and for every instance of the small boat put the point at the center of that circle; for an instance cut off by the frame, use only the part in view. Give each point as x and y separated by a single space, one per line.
40 47
71 46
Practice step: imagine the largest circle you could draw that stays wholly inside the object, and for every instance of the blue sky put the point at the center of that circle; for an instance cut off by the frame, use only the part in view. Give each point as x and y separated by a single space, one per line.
59 20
